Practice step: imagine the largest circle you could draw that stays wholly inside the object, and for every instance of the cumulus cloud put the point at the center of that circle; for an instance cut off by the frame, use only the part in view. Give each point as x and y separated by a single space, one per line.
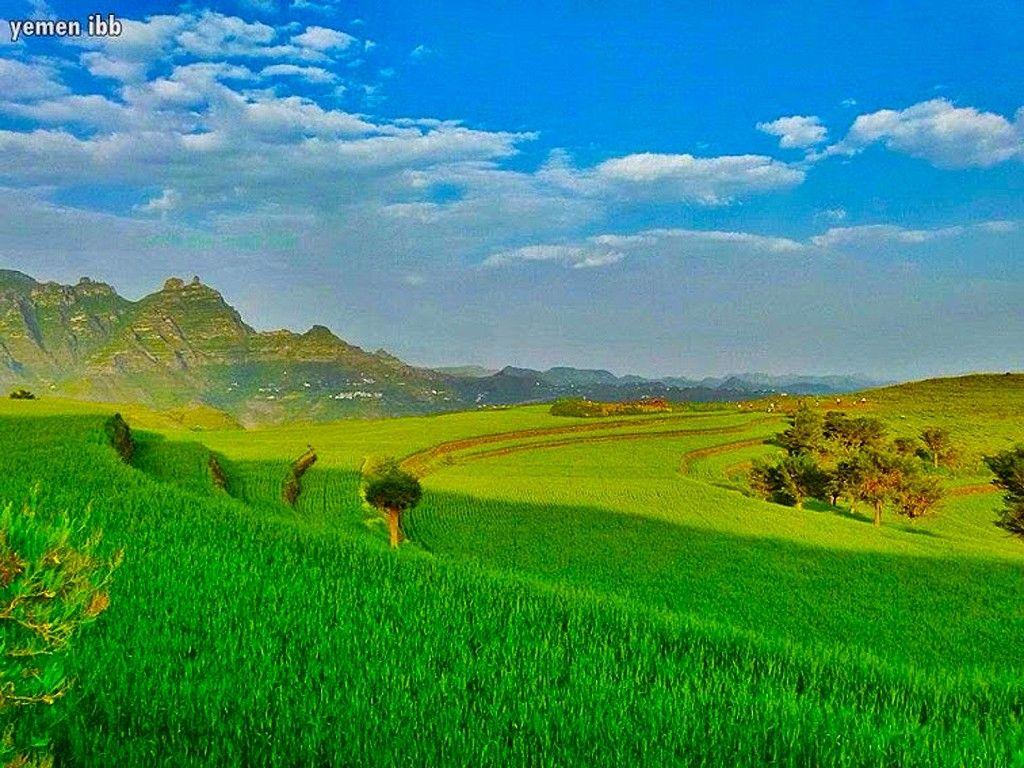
943 134
708 180
891 234
796 131
324 39
574 256
610 248
309 74
603 250
167 200
20 81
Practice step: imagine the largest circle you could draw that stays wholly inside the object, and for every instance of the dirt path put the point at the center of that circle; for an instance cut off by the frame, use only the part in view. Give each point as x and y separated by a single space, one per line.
420 462
973 490
690 457
423 461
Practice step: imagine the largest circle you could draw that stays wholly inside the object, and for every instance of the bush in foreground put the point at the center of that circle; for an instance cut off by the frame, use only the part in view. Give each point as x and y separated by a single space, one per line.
49 588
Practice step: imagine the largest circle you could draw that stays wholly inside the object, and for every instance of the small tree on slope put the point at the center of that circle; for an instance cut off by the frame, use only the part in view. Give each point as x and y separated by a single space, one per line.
940 447
1008 468
805 434
393 492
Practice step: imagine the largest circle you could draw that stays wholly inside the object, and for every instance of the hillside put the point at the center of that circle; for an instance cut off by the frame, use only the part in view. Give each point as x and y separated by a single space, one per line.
591 591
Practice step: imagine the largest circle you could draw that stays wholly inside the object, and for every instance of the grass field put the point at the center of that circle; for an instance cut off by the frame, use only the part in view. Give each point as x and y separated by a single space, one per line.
576 591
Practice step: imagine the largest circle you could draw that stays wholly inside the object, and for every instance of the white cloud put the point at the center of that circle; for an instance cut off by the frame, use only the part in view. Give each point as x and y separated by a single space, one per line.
603 250
167 200
25 82
309 74
832 214
420 52
215 34
575 256
796 131
102 65
610 248
93 111
321 6
941 133
324 39
707 180
886 234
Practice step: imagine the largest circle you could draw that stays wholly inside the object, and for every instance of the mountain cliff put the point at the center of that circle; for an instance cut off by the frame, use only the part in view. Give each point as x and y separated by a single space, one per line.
184 344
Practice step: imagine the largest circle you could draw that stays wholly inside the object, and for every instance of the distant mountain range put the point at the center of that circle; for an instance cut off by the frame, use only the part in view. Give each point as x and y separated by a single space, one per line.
184 344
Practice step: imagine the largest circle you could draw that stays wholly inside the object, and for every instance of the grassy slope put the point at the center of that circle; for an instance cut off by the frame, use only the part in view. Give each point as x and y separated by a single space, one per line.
352 654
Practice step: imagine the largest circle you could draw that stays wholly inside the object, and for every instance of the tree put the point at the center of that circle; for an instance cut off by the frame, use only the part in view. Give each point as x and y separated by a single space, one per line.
393 491
805 433
853 435
791 481
938 443
842 481
762 479
801 478
22 394
905 446
875 478
917 495
53 581
1008 467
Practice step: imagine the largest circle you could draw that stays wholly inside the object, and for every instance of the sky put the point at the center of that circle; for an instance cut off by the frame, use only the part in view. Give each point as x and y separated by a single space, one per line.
660 188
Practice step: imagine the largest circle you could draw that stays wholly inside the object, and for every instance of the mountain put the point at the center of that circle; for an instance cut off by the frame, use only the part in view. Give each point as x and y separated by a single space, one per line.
518 385
184 346
467 371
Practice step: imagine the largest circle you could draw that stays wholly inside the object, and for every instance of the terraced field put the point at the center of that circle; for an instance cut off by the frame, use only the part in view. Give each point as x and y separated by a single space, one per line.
575 592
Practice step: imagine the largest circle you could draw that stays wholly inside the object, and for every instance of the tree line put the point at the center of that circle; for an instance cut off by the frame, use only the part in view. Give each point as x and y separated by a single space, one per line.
837 457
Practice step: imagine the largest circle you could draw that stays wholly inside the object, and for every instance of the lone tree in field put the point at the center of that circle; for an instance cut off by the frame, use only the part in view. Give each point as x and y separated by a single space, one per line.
1008 468
805 433
940 447
393 492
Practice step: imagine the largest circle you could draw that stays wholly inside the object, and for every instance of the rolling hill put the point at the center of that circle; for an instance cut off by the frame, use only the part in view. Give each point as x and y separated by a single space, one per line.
576 592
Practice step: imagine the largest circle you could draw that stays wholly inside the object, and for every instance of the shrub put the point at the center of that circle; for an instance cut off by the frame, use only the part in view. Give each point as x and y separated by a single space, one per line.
120 435
22 394
1008 467
293 482
49 588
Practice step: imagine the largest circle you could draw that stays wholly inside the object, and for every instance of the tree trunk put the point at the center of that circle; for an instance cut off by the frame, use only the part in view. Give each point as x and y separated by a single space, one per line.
394 529
878 515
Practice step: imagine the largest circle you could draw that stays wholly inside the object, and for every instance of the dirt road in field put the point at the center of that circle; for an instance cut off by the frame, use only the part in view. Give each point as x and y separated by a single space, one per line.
424 461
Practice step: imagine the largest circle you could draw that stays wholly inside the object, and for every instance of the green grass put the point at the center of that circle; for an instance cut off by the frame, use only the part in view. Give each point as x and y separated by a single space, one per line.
572 597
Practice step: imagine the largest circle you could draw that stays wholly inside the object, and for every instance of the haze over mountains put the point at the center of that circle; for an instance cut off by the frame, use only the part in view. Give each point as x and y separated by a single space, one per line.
184 344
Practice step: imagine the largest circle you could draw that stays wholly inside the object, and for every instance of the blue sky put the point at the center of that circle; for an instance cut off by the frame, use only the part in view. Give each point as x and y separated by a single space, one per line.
658 188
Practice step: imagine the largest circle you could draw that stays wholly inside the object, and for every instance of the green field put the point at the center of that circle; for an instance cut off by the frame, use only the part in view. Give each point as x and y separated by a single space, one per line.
574 592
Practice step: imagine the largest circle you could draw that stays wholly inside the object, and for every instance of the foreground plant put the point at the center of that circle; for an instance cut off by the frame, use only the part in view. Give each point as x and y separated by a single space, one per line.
52 583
